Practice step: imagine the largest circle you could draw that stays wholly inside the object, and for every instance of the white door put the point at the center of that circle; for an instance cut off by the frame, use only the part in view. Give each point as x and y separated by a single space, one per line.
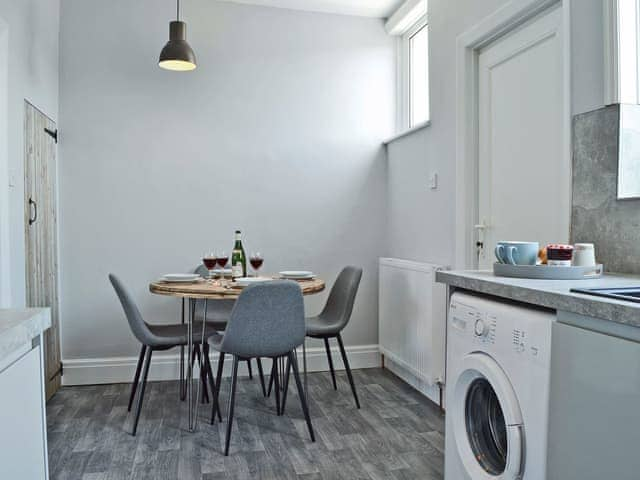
524 174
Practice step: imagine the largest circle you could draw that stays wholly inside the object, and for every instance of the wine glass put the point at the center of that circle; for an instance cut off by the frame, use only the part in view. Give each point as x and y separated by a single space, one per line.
223 258
209 260
256 261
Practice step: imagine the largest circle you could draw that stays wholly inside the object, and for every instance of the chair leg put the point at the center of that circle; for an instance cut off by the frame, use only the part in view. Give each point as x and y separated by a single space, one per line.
212 383
249 367
261 373
204 373
346 366
145 374
136 377
216 393
232 400
270 381
333 372
285 387
276 384
303 398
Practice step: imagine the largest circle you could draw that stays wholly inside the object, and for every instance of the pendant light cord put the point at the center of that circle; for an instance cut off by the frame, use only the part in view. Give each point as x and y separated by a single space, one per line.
178 10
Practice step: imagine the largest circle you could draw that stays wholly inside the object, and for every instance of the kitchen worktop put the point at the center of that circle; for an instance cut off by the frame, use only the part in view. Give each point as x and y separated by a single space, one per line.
553 294
18 327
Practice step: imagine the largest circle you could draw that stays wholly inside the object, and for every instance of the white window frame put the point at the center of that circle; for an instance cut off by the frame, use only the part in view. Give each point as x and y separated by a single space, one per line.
404 76
622 51
407 20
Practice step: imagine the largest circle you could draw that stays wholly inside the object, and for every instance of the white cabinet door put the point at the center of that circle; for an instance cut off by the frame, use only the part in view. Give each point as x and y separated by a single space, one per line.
524 175
22 420
594 419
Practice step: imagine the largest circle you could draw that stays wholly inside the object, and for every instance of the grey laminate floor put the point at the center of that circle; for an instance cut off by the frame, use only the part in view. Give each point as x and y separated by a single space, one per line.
397 434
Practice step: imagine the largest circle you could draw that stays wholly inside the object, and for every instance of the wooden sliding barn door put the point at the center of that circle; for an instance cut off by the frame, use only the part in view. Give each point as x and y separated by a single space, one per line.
41 252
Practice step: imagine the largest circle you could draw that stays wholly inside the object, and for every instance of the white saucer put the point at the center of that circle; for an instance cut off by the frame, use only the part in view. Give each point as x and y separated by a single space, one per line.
181 277
296 274
246 281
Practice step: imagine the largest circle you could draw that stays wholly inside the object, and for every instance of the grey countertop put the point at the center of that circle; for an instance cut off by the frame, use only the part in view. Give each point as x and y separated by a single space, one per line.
553 294
18 327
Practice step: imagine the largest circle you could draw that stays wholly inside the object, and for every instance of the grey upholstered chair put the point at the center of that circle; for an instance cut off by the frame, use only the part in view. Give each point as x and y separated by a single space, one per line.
152 338
218 314
335 316
267 321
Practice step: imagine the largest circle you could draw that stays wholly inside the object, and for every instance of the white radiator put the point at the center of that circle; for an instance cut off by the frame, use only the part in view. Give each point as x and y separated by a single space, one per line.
412 322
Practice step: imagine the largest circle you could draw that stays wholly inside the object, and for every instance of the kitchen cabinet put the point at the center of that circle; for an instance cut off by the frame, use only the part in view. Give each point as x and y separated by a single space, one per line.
594 421
23 425
23 445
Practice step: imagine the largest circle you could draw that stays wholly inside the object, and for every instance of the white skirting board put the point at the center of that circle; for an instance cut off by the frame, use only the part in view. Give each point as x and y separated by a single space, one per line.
432 392
165 366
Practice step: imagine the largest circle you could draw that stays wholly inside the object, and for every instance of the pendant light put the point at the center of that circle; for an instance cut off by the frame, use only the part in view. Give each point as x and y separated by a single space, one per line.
177 55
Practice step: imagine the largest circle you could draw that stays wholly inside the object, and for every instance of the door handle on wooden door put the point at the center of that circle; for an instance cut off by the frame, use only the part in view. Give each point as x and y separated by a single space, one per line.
35 211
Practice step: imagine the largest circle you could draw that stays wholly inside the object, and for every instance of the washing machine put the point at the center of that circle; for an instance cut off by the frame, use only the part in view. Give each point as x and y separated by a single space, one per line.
497 389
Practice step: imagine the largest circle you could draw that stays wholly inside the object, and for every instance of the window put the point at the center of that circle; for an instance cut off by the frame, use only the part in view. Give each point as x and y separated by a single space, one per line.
414 76
418 74
409 24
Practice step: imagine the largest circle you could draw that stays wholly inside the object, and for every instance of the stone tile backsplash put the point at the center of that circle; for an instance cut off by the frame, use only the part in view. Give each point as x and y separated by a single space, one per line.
597 216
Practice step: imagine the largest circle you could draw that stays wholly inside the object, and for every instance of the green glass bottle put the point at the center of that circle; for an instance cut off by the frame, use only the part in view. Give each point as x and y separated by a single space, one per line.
238 258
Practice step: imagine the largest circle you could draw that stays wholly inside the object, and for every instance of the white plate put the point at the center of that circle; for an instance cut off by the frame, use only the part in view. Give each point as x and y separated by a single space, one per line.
222 271
296 274
246 281
180 277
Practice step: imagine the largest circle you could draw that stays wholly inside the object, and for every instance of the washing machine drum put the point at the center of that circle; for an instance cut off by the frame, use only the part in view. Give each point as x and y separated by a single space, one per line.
487 421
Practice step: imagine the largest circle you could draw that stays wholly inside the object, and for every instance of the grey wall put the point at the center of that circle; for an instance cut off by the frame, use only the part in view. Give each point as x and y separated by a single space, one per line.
597 215
278 132
32 62
422 221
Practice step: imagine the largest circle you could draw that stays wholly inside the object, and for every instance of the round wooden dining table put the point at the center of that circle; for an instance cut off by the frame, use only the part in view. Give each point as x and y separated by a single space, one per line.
219 289
212 289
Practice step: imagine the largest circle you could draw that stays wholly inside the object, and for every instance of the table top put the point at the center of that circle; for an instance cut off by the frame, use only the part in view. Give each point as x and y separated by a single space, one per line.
553 294
219 289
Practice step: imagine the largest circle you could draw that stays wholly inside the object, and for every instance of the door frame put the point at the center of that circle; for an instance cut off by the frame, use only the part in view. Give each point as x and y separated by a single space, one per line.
5 250
468 46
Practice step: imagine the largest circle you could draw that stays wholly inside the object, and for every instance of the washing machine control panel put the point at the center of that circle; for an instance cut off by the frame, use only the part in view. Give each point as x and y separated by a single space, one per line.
513 331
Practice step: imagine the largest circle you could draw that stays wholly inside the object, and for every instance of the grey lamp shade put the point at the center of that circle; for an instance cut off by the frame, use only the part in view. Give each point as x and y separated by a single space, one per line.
177 54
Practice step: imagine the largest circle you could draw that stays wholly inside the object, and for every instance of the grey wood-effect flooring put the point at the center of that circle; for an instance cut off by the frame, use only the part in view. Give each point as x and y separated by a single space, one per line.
397 435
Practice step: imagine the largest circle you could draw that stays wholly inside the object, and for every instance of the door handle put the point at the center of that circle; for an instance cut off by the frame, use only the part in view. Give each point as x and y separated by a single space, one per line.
35 211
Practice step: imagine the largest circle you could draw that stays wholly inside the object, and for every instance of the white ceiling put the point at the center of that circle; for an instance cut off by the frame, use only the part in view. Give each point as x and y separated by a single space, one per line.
366 8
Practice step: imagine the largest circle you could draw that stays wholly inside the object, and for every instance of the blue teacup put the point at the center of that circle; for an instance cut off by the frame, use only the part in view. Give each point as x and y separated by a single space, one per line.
517 253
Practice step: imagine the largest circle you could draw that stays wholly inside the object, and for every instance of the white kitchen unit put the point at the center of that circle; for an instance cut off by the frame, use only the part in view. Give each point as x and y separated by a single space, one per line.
594 382
23 426
595 394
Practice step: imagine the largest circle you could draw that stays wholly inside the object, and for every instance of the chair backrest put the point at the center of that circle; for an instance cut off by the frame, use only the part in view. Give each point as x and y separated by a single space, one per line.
136 322
342 296
202 271
267 320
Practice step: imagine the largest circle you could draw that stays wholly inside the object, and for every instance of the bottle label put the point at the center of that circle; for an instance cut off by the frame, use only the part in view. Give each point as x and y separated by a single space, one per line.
236 270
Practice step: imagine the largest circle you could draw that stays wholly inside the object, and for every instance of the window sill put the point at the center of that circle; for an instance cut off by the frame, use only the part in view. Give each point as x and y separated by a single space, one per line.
409 131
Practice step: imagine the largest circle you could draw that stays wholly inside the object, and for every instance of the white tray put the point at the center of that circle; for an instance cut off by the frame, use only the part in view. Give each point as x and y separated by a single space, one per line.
546 272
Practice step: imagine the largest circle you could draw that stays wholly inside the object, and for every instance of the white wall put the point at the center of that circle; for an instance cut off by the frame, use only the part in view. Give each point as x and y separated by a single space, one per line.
278 132
421 221
32 40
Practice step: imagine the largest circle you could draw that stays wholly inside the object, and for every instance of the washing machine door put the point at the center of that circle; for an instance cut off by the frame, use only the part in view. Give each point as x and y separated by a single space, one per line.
487 421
